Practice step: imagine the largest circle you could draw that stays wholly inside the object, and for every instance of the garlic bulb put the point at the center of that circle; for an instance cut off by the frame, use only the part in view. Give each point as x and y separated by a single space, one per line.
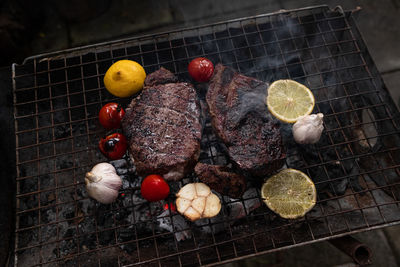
103 183
196 201
308 129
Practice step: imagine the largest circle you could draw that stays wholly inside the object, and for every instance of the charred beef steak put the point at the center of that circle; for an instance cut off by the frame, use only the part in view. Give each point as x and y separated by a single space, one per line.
241 120
163 127
221 179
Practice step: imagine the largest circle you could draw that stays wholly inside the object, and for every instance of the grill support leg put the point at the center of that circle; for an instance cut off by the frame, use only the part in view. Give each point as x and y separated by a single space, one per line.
359 252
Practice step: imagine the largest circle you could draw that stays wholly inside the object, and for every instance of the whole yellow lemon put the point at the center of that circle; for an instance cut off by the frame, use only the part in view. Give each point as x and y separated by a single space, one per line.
124 78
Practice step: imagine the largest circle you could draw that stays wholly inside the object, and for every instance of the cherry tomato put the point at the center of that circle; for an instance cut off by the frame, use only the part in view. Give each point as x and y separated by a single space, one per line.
201 69
154 188
113 146
110 116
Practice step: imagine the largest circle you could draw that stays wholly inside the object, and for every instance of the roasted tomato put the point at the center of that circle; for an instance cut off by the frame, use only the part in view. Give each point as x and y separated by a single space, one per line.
110 116
154 188
201 69
113 146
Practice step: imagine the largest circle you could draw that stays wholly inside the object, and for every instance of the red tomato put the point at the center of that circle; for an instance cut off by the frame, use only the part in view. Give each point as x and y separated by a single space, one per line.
201 69
110 116
154 188
113 146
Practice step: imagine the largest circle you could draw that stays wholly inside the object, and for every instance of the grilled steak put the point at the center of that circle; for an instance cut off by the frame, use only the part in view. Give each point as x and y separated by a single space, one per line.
163 127
221 179
241 120
161 76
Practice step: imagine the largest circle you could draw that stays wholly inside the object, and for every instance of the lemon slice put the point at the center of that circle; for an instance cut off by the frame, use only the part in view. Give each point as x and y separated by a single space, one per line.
289 193
288 100
124 78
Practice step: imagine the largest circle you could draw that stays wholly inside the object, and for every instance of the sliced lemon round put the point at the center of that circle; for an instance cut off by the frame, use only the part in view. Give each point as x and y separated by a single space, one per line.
289 193
288 100
124 78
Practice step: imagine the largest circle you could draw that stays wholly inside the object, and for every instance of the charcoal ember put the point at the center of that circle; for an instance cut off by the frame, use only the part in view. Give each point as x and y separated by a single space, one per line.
302 156
86 205
125 184
68 213
62 131
126 170
64 162
124 166
213 225
79 128
49 232
126 234
174 187
106 237
174 223
240 209
89 242
104 216
120 164
67 247
232 211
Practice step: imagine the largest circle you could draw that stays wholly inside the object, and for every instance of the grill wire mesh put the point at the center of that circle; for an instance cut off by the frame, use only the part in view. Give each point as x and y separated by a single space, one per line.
57 97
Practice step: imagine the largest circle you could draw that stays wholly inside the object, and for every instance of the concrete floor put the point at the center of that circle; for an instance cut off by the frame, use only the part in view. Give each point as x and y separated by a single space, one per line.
379 22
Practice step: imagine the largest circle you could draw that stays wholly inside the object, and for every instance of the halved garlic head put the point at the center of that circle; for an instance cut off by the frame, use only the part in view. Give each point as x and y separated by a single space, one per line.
196 201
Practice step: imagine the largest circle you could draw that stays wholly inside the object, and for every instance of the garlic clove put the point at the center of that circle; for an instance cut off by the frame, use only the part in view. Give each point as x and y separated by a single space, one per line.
202 190
101 193
183 204
212 207
192 214
188 192
199 203
103 183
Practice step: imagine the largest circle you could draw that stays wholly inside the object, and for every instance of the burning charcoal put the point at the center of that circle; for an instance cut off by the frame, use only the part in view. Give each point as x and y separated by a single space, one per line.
340 187
123 166
119 164
178 225
69 213
233 210
125 183
174 187
126 234
103 216
213 225
62 131
303 155
106 237
354 181
237 210
79 128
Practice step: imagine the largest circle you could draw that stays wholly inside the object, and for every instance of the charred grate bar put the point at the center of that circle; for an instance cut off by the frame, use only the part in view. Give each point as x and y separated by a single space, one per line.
355 166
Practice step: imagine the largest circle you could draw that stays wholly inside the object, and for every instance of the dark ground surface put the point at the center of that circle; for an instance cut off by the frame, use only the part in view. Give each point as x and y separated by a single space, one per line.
27 28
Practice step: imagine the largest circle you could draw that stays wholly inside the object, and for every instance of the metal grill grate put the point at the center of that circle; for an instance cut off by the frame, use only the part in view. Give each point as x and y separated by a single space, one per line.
355 166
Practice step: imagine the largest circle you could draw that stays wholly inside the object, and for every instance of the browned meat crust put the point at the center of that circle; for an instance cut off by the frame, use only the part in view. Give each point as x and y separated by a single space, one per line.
221 179
241 120
163 127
